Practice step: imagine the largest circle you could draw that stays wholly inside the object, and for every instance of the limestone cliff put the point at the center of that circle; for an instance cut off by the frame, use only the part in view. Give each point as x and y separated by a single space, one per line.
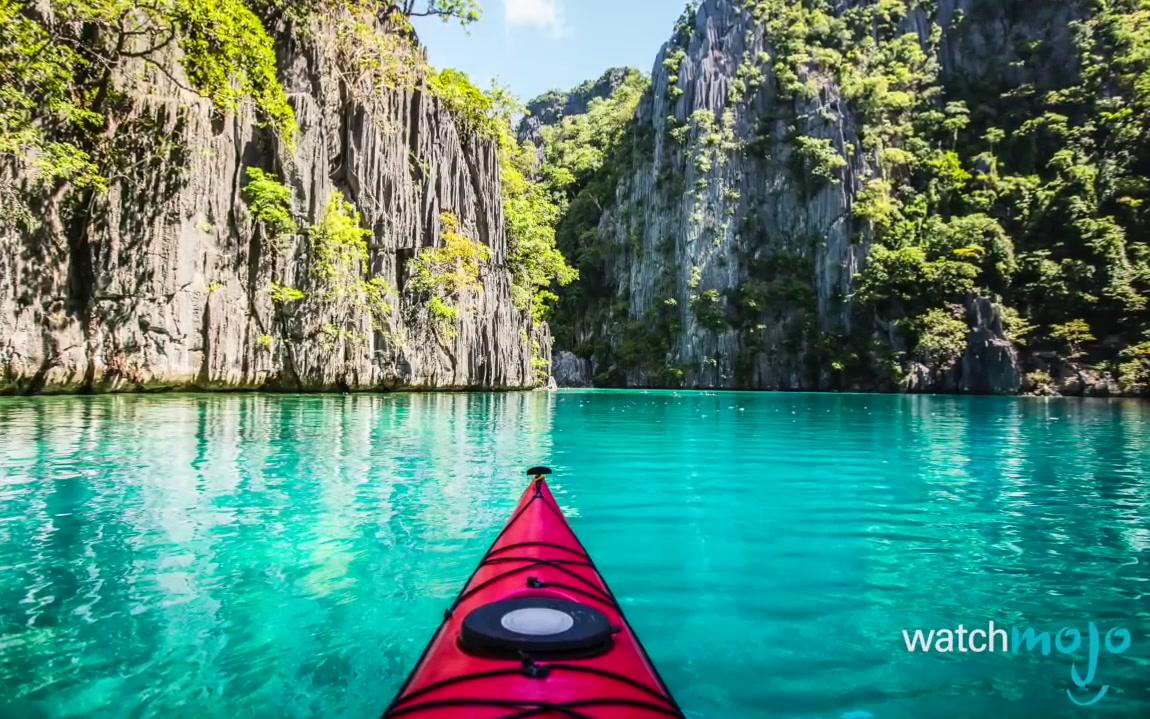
550 108
165 280
731 252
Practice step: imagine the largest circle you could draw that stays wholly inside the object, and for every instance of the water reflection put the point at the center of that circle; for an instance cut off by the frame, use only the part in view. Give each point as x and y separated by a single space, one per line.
289 556
239 552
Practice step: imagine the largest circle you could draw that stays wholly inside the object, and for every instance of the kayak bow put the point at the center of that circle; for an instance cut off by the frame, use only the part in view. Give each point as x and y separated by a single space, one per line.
535 632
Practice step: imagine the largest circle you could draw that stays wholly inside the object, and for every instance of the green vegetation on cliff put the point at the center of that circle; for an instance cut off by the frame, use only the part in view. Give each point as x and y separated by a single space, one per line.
531 209
69 68
585 156
439 276
1003 182
269 201
59 63
1022 176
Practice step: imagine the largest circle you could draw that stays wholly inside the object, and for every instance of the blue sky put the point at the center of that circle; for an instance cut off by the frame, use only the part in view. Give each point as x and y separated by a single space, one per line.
533 46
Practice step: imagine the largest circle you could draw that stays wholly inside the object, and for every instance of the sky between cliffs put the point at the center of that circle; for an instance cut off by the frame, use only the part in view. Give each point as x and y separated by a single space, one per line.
533 46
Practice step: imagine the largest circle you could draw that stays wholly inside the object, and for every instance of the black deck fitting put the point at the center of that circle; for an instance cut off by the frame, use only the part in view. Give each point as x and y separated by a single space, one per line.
539 471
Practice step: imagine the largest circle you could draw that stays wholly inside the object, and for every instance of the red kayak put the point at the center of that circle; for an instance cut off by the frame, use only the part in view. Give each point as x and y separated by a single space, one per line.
535 633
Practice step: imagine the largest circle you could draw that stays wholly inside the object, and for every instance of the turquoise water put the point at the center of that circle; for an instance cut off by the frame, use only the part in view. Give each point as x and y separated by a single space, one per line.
226 556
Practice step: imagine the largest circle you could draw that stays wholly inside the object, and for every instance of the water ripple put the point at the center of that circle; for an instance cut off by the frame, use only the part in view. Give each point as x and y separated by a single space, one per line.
290 556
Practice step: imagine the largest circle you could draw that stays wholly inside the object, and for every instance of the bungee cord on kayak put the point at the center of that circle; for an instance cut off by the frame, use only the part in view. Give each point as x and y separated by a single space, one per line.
553 643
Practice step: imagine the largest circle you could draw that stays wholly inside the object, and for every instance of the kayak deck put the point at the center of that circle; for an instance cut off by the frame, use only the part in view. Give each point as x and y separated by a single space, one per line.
535 632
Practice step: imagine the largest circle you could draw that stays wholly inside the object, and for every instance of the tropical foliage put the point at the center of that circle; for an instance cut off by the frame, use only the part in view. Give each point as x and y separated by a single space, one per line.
269 201
531 210
442 276
1008 183
62 85
585 155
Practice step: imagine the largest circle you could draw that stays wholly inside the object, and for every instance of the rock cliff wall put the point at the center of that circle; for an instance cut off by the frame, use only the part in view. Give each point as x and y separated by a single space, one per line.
704 209
733 248
165 280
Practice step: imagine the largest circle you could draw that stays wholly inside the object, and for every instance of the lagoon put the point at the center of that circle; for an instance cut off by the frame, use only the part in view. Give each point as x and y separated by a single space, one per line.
289 556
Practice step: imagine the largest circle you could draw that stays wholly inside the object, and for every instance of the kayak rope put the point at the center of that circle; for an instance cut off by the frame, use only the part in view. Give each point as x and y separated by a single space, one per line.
536 671
594 592
552 545
535 707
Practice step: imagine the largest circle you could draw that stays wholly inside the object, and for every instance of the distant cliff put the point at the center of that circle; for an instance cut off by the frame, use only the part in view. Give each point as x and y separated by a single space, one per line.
549 109
898 196
355 240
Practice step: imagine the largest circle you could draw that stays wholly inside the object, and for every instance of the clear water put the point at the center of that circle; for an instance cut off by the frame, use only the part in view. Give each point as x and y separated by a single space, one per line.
226 556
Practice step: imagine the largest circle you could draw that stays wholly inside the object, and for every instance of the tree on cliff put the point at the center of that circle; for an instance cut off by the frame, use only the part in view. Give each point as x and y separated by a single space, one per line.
64 84
65 91
465 11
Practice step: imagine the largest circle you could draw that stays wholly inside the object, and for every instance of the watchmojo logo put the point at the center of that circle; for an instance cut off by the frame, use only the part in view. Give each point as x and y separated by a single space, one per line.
1068 641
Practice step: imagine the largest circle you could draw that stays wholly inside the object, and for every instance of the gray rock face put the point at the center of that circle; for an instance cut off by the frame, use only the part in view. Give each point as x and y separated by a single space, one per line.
167 285
571 370
990 364
712 210
984 38
696 217
1072 378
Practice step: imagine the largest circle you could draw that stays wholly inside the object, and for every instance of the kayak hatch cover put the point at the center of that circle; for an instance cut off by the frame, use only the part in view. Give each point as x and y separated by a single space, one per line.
535 633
